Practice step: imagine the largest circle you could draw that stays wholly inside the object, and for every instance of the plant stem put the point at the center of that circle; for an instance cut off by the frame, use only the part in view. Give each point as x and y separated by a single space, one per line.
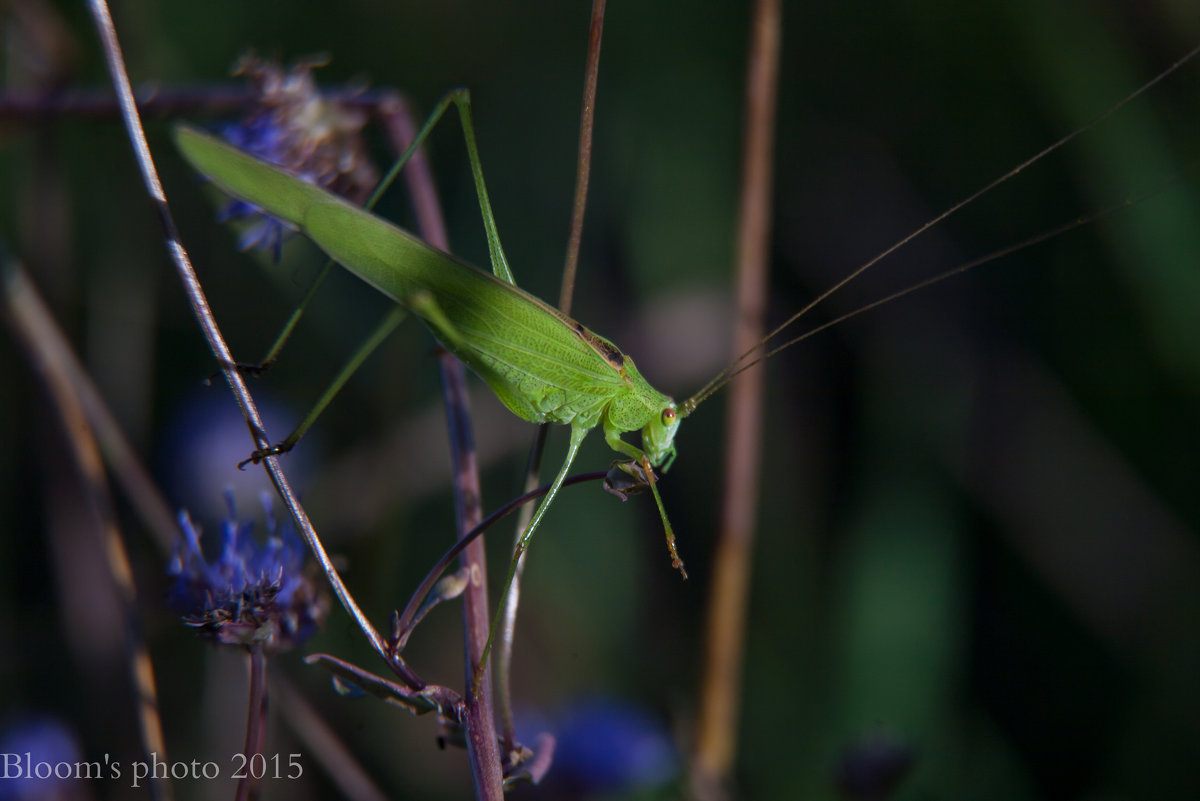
249 785
34 326
477 707
716 738
583 171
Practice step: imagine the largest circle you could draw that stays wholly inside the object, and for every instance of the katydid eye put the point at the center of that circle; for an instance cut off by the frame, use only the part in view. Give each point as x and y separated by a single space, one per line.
667 416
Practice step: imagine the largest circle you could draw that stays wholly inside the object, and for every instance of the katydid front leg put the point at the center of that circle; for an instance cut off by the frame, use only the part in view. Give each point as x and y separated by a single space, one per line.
613 437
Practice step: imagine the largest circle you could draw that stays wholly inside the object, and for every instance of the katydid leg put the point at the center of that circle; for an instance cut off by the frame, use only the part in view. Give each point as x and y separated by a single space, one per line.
512 599
577 435
384 184
613 437
289 327
676 562
461 99
389 324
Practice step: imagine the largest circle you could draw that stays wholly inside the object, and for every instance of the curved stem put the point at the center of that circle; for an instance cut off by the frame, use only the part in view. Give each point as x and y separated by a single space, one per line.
212 332
407 619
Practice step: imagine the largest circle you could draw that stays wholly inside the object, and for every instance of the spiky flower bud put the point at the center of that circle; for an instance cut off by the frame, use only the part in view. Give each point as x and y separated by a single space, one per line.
251 594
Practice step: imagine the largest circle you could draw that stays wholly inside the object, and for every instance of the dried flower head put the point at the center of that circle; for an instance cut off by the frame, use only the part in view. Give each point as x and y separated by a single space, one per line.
251 594
294 127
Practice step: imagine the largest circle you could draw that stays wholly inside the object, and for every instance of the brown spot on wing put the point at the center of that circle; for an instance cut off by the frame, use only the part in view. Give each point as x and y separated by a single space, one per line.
610 353
607 350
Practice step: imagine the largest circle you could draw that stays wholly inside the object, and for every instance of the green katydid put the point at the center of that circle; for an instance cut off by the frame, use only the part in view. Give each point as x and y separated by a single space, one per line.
543 365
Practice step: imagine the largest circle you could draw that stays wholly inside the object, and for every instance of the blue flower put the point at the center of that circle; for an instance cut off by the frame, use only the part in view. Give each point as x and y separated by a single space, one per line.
294 127
204 438
251 594
40 754
606 745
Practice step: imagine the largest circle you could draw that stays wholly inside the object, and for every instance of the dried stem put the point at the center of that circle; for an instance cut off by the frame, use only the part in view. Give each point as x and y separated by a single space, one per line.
36 107
33 107
250 787
35 330
128 471
583 171
213 335
43 334
716 738
408 618
477 707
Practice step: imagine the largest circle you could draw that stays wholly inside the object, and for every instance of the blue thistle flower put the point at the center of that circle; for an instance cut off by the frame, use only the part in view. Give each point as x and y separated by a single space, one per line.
295 128
251 594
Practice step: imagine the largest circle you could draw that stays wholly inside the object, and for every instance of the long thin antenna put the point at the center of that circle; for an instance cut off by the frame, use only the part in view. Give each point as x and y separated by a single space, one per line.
736 366
733 371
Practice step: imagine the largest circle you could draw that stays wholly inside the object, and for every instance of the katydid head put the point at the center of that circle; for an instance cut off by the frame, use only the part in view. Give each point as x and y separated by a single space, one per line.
658 436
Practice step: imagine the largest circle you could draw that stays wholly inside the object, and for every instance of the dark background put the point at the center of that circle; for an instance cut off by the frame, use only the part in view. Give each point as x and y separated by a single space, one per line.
979 515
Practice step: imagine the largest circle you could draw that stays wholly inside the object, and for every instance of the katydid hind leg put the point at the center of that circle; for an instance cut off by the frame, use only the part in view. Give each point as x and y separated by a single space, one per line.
461 98
289 327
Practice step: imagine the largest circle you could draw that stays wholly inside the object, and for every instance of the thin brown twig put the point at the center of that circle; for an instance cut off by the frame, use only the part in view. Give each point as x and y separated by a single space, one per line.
34 327
34 107
583 171
477 706
126 468
408 619
47 337
250 783
215 339
716 737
